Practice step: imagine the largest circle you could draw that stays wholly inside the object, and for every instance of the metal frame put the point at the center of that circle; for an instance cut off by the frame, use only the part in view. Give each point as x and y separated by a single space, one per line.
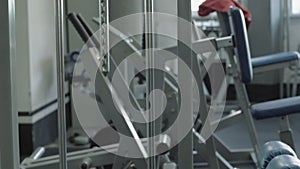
245 107
185 148
94 157
154 81
296 79
213 158
98 156
62 128
285 132
9 137
122 123
209 148
107 90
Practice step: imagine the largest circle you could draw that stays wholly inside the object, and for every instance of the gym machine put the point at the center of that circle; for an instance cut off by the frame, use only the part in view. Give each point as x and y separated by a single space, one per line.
184 153
124 124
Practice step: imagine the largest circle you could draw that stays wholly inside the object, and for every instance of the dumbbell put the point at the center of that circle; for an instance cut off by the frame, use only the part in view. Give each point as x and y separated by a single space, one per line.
271 151
284 162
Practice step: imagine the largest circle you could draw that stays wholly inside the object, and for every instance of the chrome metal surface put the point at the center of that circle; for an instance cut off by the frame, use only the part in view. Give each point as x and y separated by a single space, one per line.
9 142
38 153
150 77
185 148
98 156
59 6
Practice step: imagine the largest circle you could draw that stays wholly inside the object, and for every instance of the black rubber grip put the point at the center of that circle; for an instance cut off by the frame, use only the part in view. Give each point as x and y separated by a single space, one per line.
88 29
80 29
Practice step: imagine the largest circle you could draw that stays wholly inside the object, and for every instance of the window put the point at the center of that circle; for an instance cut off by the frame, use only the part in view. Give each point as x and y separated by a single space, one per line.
295 7
196 4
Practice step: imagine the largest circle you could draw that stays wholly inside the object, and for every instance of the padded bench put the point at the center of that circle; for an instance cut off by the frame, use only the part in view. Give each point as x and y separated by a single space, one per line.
275 59
276 108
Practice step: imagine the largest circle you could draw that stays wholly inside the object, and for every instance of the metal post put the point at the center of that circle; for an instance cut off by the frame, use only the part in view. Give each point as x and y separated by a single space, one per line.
288 22
210 143
149 45
59 6
185 148
285 132
295 83
9 141
285 21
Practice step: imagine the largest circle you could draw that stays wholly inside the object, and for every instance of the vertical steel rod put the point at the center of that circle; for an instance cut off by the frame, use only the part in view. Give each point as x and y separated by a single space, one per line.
149 45
288 22
9 135
59 7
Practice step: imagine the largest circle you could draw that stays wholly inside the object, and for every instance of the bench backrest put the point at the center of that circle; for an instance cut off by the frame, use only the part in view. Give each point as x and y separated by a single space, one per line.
233 23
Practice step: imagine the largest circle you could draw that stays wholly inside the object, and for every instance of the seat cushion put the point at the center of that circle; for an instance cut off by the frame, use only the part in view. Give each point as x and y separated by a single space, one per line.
275 58
276 108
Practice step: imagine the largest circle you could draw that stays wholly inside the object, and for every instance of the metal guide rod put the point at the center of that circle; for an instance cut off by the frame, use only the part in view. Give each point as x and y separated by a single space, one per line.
285 7
149 45
62 135
287 23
